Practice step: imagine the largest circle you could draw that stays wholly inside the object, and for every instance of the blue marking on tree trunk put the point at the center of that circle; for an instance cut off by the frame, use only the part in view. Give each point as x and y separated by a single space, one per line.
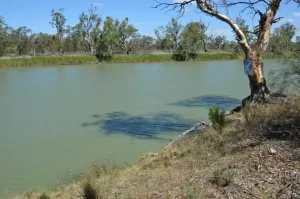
248 66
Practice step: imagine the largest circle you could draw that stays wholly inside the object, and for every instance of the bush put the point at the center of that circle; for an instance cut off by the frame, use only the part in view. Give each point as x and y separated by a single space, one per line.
217 118
89 191
223 177
44 196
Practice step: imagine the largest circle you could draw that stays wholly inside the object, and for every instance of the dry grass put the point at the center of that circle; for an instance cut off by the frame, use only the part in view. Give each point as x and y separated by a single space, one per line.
256 156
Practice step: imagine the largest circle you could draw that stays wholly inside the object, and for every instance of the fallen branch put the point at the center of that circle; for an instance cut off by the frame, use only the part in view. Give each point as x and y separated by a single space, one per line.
186 132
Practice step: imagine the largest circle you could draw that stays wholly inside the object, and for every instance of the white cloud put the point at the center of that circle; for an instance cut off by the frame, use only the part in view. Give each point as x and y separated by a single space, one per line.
289 20
97 4
296 14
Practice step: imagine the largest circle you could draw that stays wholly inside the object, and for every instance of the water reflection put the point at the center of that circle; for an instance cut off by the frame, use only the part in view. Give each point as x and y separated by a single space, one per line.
147 126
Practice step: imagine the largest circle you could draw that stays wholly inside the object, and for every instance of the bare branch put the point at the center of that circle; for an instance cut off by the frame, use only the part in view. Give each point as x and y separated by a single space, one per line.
277 19
208 9
178 7
267 18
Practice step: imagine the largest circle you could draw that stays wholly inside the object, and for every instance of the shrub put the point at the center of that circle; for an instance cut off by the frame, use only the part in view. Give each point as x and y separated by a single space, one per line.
89 191
217 118
44 196
223 177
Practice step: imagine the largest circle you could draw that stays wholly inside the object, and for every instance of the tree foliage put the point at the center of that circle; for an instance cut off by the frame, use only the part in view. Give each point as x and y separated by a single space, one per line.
288 77
90 29
281 39
58 21
191 38
21 37
5 37
127 34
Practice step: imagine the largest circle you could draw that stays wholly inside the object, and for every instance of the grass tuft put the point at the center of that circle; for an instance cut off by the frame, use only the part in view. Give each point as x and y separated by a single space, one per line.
217 118
223 177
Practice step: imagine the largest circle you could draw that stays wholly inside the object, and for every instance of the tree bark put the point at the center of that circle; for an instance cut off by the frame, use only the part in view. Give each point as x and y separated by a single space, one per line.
205 46
258 87
257 82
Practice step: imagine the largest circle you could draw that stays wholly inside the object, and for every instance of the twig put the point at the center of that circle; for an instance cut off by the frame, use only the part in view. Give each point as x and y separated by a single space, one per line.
252 194
282 190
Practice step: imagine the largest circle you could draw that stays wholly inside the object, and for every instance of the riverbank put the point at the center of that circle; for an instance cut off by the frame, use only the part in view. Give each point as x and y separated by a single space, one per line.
135 58
256 156
84 59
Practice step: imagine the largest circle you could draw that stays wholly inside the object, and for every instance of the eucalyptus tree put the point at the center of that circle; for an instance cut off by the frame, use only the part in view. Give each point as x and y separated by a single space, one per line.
5 37
191 39
219 40
126 35
173 30
110 35
76 38
146 42
58 22
207 35
90 29
163 40
68 47
265 11
287 31
281 39
22 39
43 44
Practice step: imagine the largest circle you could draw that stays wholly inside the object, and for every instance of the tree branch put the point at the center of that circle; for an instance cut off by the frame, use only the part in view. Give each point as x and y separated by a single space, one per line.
208 9
178 7
265 25
277 19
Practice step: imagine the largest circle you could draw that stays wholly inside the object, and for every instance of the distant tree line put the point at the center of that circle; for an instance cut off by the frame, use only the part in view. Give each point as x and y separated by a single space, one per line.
94 36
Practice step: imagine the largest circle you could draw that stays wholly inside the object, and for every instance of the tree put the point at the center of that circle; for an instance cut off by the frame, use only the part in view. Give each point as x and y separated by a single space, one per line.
219 40
42 43
5 37
163 41
109 35
277 42
146 42
286 31
58 21
173 30
206 36
90 29
126 34
191 38
67 43
76 38
21 36
253 53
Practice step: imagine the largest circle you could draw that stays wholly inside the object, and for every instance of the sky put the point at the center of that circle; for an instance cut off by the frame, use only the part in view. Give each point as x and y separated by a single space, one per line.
35 14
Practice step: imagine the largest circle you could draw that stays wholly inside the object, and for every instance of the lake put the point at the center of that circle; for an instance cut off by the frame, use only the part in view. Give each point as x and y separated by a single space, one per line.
55 121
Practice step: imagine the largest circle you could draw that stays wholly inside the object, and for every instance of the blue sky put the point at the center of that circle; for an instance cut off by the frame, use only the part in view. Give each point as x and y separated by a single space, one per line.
35 14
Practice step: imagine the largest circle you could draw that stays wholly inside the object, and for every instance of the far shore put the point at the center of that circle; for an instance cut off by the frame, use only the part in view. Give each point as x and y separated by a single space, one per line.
28 61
